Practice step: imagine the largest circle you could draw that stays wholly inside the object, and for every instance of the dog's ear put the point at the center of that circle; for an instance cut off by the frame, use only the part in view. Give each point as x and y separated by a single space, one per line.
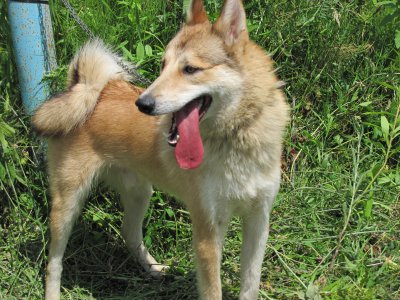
232 22
196 13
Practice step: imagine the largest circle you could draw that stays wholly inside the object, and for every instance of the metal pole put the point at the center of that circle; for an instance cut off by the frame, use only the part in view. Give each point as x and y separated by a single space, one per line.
33 42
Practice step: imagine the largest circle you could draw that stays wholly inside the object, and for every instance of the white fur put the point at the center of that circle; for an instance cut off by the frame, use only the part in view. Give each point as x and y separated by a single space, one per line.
95 53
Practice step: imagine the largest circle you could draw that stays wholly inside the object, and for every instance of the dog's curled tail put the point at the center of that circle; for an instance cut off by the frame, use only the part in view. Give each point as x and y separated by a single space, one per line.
89 72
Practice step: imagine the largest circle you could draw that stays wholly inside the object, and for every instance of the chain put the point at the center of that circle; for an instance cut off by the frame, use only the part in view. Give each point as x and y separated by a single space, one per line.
131 70
77 19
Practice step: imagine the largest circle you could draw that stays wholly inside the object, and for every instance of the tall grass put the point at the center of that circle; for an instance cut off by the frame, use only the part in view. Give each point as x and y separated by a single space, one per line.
336 224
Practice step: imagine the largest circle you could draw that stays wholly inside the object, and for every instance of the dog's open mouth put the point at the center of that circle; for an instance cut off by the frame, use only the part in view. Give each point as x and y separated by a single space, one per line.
184 133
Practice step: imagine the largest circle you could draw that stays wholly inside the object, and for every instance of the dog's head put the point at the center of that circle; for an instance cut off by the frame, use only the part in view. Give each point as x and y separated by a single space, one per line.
200 75
200 62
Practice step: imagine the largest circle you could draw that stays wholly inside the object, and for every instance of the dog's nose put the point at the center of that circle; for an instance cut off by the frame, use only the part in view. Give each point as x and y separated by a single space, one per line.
146 104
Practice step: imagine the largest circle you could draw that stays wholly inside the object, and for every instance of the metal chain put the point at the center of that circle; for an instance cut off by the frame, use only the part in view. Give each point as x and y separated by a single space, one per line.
131 70
78 20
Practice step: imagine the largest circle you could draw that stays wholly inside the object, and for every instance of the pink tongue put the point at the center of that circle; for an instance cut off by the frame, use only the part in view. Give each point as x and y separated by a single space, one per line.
189 150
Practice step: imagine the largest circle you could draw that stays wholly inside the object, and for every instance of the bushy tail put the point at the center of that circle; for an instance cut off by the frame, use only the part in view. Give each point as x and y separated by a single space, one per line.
91 69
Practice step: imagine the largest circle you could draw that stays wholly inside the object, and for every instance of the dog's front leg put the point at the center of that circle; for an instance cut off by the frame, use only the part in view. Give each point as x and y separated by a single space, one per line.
135 200
255 235
208 235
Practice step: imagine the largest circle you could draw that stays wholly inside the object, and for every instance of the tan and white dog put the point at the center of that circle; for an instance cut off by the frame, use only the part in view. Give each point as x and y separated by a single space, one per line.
208 130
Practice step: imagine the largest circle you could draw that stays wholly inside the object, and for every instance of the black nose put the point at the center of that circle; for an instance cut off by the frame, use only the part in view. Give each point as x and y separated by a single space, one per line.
146 104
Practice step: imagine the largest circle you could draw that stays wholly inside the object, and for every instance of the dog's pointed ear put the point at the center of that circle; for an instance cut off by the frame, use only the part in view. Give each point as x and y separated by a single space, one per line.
196 13
232 22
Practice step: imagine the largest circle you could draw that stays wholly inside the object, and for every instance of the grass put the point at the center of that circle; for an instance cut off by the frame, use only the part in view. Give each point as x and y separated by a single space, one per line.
335 230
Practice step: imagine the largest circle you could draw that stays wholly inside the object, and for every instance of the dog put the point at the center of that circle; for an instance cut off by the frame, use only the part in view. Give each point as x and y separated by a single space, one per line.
208 130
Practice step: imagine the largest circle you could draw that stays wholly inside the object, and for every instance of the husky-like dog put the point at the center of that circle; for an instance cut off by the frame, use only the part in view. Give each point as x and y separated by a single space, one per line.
208 130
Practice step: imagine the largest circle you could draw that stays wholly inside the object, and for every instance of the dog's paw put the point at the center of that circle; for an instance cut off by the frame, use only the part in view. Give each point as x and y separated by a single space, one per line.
158 271
148 262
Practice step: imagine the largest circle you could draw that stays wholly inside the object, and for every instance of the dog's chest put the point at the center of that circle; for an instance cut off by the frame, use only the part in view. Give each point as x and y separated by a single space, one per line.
226 177
239 178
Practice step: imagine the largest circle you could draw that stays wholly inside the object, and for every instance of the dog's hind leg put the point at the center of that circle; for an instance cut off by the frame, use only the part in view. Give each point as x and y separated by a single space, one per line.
135 193
71 175
255 235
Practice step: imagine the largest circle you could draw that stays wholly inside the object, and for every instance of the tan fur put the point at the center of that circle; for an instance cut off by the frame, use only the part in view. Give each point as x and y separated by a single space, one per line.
70 109
242 136
196 13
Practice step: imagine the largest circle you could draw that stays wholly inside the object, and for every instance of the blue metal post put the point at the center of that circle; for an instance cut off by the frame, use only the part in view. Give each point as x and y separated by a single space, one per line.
33 42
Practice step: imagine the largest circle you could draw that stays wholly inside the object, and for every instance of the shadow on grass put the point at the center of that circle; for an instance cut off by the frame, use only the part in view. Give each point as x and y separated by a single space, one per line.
98 265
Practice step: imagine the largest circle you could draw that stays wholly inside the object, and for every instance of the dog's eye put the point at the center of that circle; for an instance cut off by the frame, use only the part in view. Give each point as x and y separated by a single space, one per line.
190 69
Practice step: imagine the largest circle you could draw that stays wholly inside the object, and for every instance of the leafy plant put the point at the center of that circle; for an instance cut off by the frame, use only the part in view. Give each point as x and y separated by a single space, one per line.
391 12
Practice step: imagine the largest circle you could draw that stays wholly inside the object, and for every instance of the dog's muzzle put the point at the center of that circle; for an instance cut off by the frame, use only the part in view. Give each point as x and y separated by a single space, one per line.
146 104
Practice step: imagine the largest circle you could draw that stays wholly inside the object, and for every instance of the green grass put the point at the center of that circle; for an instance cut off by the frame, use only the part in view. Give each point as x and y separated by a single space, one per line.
335 229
